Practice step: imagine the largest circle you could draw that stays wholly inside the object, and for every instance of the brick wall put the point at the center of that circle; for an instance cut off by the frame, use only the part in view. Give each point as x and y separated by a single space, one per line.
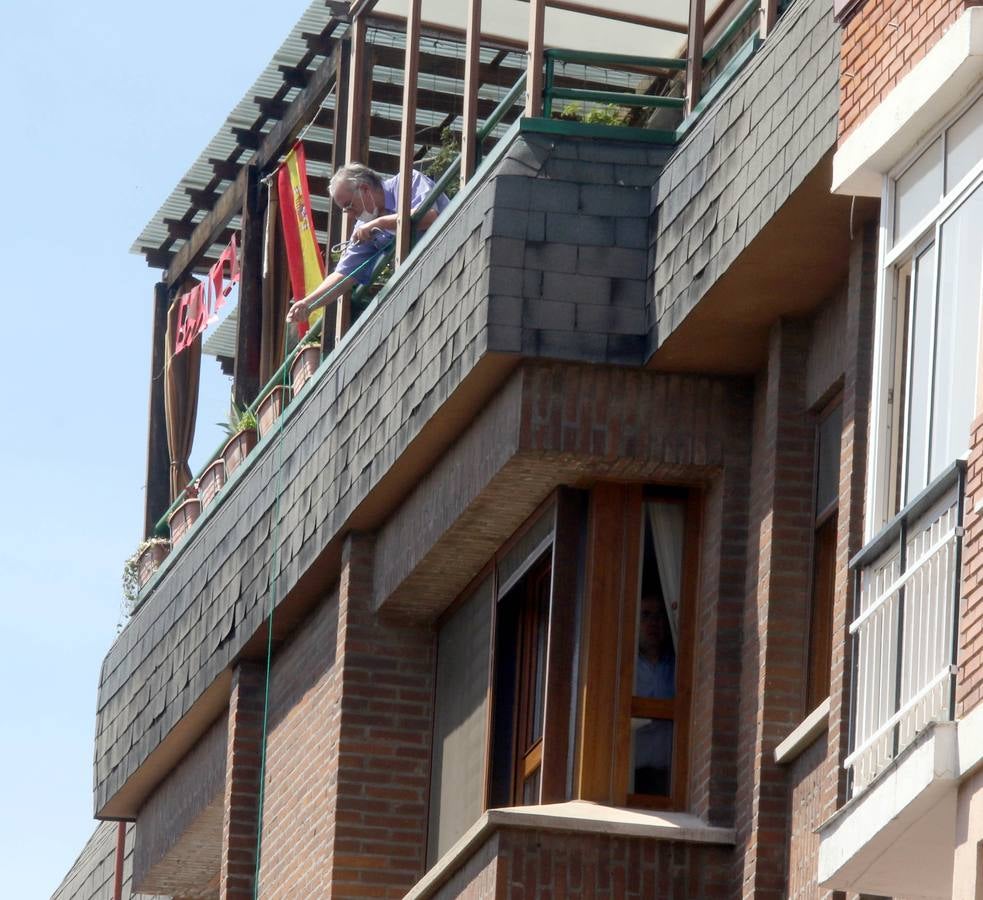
881 43
525 864
242 767
969 686
776 613
178 835
301 756
385 714
805 816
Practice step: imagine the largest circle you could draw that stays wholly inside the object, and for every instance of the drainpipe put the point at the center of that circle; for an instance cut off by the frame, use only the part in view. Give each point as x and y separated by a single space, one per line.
120 851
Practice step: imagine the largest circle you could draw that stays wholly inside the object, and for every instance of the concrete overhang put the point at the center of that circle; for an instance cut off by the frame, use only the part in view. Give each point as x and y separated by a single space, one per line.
912 109
898 837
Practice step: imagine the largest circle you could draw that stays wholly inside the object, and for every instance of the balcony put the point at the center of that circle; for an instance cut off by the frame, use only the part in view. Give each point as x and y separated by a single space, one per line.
896 834
907 593
545 253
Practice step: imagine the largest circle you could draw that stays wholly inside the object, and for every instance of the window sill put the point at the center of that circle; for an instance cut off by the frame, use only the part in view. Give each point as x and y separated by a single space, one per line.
573 816
804 734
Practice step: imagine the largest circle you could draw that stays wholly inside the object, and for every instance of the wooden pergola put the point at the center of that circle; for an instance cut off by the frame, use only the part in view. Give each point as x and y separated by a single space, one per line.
375 81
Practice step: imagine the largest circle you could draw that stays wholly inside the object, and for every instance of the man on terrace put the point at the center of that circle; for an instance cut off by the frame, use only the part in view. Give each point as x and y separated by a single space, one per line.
373 200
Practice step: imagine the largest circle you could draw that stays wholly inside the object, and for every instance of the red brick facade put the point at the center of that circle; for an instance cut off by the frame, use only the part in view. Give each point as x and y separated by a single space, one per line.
969 684
881 43
518 864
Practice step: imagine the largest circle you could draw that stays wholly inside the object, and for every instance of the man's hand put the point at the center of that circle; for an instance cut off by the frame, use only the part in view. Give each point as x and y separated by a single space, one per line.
363 231
298 311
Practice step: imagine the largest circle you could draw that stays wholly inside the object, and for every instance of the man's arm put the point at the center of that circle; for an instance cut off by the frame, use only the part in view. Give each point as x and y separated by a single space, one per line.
325 292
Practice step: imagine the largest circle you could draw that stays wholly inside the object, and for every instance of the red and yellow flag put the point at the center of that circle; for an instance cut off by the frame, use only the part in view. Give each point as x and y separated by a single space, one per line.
304 260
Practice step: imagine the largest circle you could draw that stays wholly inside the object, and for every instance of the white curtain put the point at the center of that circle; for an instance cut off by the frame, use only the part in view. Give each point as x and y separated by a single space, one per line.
667 521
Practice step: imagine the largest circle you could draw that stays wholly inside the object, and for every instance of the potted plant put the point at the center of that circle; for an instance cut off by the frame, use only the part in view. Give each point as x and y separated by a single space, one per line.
305 363
241 429
138 569
271 408
184 515
210 482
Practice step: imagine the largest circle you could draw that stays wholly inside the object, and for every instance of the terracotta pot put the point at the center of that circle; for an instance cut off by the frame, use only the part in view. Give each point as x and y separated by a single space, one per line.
270 409
304 366
211 482
237 449
183 518
150 560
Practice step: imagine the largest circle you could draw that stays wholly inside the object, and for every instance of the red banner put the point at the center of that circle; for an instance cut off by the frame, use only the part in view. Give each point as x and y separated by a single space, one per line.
199 307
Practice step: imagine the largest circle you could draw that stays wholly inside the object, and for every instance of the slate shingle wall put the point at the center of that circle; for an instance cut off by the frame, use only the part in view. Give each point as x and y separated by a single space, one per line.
525 265
743 160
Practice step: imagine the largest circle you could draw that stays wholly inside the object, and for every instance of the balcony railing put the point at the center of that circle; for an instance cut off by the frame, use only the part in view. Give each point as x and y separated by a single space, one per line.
907 583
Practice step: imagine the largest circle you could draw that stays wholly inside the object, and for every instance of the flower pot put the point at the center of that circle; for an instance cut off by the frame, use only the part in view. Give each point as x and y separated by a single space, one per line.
211 482
237 449
183 518
304 366
150 559
270 409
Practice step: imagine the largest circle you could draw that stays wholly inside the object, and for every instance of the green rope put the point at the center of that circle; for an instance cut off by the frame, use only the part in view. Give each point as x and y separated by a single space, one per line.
274 575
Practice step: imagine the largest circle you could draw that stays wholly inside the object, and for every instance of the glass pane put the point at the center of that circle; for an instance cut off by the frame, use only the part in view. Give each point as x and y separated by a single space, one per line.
960 260
460 721
541 598
651 757
530 788
918 190
964 145
919 373
828 459
658 606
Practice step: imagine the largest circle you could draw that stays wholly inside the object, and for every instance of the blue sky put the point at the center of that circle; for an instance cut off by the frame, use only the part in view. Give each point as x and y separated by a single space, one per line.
106 105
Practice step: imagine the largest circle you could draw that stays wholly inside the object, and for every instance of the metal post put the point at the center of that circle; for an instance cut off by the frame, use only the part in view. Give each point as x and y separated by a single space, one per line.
694 52
534 58
407 144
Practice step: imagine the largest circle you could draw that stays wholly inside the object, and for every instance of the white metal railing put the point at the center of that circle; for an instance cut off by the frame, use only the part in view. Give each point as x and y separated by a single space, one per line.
904 632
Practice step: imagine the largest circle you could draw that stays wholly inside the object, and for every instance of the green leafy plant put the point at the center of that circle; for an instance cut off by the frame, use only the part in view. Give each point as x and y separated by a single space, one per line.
446 152
131 574
240 419
609 114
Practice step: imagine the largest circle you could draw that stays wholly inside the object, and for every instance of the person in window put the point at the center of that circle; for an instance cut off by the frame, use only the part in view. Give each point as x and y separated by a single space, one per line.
373 199
655 677
655 668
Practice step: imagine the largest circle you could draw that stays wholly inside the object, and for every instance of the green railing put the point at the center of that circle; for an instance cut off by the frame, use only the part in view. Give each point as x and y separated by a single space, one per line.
617 98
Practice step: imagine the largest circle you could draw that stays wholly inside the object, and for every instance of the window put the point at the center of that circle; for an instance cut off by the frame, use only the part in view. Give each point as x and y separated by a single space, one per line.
928 315
564 671
500 738
826 504
658 718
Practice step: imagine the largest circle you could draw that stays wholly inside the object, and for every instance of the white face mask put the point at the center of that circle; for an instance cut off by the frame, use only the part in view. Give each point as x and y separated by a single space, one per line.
365 215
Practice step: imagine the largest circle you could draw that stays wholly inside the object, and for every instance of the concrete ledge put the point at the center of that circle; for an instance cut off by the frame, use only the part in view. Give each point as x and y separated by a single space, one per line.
898 837
803 734
573 816
912 109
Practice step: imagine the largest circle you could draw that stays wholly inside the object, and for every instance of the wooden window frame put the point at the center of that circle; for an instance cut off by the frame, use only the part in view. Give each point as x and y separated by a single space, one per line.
614 564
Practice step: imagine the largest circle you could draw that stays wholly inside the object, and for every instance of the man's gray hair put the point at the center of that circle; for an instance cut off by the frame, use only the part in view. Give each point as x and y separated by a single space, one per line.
354 175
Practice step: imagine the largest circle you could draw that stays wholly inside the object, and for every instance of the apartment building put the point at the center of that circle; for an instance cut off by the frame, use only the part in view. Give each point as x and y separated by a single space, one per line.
622 543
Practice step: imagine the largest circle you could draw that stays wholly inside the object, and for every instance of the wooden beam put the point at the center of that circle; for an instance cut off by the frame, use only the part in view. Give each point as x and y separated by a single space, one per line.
694 51
359 8
472 72
617 16
249 329
407 143
534 58
566 611
338 145
769 14
270 150
157 497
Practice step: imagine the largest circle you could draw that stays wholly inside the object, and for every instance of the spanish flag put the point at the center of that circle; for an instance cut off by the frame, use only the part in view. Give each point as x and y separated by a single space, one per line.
304 260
